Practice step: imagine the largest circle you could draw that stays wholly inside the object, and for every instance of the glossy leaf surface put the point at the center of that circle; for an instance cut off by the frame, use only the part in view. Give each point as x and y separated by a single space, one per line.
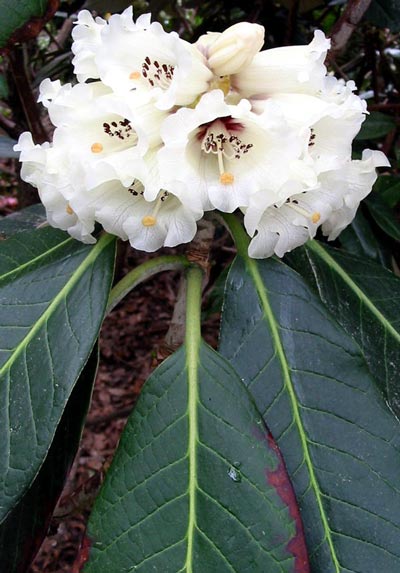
340 442
53 293
385 13
384 216
376 125
22 532
196 484
388 187
26 219
23 19
365 299
359 239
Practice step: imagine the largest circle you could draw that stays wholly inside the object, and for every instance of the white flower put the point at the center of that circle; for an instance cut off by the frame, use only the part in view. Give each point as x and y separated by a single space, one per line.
331 123
108 135
47 172
217 155
357 178
229 51
143 56
332 204
149 225
290 69
165 132
86 37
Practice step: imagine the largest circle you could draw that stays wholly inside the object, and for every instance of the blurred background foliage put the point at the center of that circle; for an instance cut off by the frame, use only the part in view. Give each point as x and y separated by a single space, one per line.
35 42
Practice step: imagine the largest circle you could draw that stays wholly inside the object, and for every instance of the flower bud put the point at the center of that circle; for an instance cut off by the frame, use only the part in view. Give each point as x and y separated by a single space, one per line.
229 51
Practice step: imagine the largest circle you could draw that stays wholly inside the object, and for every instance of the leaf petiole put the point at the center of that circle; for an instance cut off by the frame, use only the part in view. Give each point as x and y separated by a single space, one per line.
143 272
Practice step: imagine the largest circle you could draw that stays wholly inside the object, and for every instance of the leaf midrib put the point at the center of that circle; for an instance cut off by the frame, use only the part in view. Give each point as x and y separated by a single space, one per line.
330 261
192 343
34 260
280 352
102 243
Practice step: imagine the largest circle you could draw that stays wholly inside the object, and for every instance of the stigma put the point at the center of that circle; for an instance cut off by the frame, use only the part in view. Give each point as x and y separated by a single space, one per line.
220 138
149 221
96 148
226 178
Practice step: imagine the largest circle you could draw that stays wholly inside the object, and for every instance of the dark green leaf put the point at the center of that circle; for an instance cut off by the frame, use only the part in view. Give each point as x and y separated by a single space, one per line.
359 239
53 293
6 147
388 187
23 530
4 91
385 14
340 442
376 125
24 220
383 216
365 299
196 484
216 296
23 19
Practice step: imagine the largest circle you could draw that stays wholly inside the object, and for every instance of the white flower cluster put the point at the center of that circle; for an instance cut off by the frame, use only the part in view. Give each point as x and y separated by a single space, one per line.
165 130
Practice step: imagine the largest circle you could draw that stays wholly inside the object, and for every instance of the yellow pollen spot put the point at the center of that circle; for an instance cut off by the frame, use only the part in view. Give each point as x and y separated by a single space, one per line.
69 210
315 217
226 178
96 148
134 75
149 221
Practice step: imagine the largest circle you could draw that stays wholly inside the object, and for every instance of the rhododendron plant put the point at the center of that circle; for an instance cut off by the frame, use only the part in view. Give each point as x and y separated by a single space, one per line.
276 450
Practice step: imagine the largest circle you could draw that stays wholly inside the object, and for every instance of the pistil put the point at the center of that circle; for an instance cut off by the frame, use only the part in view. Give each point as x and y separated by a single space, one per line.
151 220
314 217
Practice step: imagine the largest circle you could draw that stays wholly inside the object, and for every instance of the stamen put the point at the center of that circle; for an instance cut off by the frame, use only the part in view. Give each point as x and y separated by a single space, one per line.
121 129
68 209
157 74
220 141
136 188
135 75
96 148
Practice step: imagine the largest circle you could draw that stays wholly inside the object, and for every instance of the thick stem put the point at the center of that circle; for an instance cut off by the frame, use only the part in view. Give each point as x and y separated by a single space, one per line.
239 235
197 252
142 273
193 306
